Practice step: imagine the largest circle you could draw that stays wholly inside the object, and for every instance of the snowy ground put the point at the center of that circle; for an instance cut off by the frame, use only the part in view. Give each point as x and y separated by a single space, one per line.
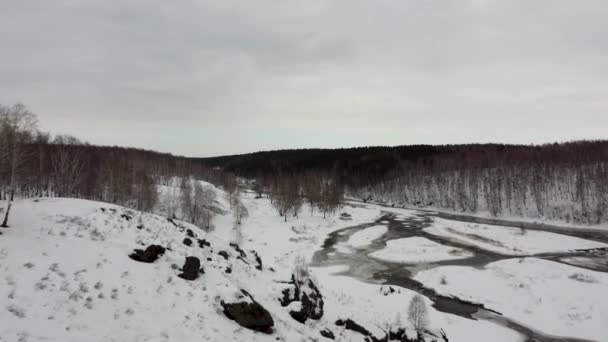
65 276
379 309
364 237
554 298
508 240
418 250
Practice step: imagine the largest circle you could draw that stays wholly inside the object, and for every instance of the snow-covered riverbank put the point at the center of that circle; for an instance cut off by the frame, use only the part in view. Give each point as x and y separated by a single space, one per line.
65 269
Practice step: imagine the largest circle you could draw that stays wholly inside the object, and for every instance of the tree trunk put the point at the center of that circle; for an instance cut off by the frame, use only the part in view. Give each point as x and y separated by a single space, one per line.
8 209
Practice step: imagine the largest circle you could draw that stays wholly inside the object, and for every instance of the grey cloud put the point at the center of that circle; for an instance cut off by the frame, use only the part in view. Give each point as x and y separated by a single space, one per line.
375 72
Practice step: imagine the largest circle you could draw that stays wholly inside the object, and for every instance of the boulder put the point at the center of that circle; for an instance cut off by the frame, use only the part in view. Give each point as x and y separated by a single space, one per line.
349 324
150 255
250 315
202 243
258 260
239 250
191 268
327 333
187 242
308 294
224 254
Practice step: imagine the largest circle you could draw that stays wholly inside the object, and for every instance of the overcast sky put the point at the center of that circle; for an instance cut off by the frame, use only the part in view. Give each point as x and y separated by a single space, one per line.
203 78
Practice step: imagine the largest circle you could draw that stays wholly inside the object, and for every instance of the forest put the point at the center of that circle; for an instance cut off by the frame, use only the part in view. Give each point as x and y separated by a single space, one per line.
561 181
33 163
567 182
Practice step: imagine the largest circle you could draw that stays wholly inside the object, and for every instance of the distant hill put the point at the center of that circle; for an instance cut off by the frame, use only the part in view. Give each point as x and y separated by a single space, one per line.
376 161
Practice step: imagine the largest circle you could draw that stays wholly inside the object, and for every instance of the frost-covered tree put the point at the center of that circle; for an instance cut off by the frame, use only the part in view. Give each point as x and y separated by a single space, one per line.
17 127
239 210
68 162
186 199
418 315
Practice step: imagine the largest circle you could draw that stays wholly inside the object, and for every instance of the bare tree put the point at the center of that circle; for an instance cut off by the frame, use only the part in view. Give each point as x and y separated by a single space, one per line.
68 162
186 199
418 315
197 202
239 210
17 125
207 199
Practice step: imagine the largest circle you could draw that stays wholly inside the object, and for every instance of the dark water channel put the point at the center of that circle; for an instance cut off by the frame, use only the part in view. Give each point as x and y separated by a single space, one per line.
369 269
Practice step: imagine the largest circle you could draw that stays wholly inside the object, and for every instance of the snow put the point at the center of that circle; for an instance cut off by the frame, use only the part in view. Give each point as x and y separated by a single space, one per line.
365 304
365 236
509 240
418 250
555 298
65 276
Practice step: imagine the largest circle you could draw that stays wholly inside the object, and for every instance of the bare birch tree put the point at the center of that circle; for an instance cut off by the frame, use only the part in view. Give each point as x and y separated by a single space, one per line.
418 315
68 162
17 127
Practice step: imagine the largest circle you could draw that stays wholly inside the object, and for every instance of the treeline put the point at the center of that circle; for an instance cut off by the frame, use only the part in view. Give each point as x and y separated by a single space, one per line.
566 182
290 192
35 164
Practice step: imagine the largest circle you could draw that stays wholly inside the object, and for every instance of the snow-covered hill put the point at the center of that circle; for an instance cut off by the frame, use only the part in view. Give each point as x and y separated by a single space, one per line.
66 275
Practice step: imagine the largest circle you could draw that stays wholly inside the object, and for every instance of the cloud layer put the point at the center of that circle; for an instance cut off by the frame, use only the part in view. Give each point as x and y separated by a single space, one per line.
206 78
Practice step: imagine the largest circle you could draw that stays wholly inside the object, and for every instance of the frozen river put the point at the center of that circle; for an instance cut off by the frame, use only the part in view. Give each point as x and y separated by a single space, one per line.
470 250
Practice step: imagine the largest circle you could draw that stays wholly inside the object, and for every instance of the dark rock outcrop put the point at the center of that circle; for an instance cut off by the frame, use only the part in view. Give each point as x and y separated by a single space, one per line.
250 315
191 268
327 333
239 250
258 260
190 233
202 243
224 254
349 324
187 242
151 254
308 294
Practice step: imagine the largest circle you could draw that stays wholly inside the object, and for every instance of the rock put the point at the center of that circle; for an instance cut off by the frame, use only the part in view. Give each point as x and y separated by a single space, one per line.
202 243
345 217
224 254
327 333
349 324
126 217
258 260
228 270
151 254
190 233
308 294
191 268
252 315
187 242
238 249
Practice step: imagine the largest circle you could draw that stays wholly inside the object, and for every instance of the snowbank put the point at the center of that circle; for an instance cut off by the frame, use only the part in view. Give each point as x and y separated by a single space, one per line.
66 276
554 298
418 250
508 240
364 237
